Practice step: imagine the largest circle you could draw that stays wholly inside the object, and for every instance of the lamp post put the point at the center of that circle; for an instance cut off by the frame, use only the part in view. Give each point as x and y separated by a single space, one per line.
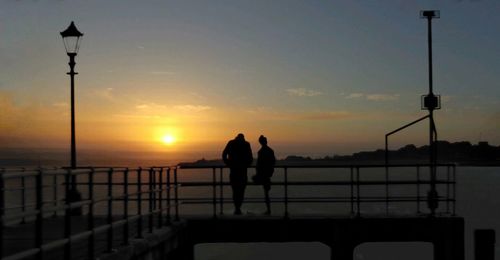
431 102
71 38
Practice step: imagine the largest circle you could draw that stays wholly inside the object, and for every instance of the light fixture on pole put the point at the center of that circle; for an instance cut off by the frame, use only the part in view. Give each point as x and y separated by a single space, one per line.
71 38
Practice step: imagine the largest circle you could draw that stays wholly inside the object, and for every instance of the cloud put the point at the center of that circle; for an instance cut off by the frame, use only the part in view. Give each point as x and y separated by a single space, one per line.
132 116
161 72
303 92
374 97
106 93
330 115
150 106
60 105
354 95
266 113
192 108
382 97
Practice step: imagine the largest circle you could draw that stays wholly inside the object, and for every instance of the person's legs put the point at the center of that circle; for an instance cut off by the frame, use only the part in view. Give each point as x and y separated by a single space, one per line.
238 181
236 200
239 196
267 187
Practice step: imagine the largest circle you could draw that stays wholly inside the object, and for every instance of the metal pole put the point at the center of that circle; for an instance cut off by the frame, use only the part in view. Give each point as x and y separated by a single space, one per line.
358 202
110 211
72 74
221 199
286 192
214 193
54 190
160 198
418 189
90 225
2 208
67 216
176 194
151 200
39 214
386 150
23 198
169 218
352 191
432 196
139 203
125 208
386 190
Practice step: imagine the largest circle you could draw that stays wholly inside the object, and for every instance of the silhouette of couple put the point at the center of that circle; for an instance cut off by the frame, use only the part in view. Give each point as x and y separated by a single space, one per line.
238 157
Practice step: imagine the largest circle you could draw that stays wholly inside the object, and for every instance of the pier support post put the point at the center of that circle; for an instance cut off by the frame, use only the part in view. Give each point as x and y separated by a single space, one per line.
484 244
342 250
185 251
450 248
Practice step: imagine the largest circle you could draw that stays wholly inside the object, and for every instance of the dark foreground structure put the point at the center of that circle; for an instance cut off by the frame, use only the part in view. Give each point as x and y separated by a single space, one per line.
145 213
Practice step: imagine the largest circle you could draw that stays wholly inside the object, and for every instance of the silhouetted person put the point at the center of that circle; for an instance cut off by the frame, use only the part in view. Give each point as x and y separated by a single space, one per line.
238 157
265 169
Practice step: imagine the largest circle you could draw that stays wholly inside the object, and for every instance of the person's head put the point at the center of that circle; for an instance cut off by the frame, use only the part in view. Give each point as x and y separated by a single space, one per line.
263 140
240 137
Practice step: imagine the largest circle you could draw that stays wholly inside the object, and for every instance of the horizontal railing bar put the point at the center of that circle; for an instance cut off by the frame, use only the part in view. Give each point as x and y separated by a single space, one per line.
336 166
22 214
313 201
318 183
22 255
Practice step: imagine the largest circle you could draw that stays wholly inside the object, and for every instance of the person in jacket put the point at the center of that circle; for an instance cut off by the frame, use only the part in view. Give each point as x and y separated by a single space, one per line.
238 157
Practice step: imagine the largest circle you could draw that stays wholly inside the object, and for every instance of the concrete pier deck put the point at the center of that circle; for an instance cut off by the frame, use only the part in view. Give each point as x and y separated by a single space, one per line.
177 241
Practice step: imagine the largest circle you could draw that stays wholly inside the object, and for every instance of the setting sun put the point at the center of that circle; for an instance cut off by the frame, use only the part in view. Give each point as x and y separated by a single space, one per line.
168 139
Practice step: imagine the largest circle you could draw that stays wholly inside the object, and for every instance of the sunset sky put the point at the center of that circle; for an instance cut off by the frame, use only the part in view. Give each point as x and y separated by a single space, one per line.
316 77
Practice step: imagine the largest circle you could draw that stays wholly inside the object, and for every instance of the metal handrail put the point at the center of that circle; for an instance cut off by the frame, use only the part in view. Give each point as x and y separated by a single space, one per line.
355 183
155 192
42 205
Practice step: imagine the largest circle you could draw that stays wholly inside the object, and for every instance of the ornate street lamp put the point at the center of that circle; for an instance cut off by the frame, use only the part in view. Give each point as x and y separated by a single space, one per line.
71 38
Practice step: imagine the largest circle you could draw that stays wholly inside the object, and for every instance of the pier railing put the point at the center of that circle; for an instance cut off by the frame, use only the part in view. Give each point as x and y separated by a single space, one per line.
119 204
107 199
359 185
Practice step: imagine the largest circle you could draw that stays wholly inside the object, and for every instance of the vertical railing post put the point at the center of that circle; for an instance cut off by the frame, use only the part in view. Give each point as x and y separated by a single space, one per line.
67 215
176 194
109 245
90 217
221 199
23 198
214 193
139 203
168 197
454 176
125 208
448 189
386 189
352 190
2 208
358 193
55 197
484 244
151 200
160 197
286 192
418 189
39 214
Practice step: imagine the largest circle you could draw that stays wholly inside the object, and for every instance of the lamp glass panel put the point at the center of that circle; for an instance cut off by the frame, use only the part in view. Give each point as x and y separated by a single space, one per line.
71 43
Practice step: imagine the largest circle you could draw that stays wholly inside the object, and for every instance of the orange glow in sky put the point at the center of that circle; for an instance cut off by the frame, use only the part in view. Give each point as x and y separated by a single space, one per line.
168 139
